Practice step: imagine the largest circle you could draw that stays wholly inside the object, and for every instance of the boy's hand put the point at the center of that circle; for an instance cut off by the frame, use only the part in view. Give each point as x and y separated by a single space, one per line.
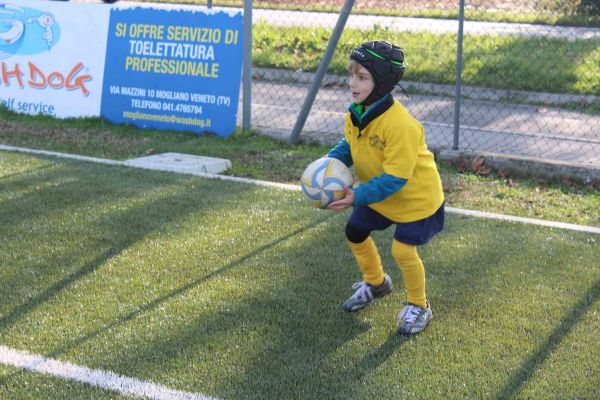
344 203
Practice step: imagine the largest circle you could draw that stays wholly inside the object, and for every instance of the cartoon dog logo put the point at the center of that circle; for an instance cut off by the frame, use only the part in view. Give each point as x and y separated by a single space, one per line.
26 31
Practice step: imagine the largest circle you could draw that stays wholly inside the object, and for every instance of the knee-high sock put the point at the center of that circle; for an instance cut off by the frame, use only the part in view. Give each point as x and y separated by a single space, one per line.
368 260
413 271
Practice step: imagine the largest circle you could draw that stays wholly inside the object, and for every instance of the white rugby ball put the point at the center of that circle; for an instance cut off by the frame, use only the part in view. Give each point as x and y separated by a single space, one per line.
323 181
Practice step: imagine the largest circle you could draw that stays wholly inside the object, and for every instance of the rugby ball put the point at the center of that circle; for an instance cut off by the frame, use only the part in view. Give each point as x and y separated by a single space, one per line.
323 181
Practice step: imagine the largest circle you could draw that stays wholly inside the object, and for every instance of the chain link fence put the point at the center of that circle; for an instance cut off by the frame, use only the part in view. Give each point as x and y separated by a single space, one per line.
527 90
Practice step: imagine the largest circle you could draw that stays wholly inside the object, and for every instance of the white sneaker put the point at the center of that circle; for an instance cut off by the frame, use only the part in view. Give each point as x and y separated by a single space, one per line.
366 293
413 319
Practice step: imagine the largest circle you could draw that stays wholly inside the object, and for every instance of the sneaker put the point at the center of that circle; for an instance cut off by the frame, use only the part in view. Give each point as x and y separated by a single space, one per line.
366 293
413 319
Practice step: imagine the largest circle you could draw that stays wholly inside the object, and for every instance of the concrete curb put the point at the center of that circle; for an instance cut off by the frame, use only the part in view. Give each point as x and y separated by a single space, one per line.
527 166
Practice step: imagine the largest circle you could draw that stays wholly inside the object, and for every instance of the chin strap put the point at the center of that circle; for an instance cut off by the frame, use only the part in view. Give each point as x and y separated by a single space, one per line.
403 91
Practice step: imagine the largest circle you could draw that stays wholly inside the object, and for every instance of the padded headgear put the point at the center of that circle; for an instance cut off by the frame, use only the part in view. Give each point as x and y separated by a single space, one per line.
385 62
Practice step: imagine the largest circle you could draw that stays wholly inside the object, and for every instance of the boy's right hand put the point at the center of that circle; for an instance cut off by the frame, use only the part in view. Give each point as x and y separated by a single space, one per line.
342 204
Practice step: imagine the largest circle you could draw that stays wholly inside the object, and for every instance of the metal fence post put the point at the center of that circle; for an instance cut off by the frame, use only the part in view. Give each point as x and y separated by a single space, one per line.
247 68
459 63
323 65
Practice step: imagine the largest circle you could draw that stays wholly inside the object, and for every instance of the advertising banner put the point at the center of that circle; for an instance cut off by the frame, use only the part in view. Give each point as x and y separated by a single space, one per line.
52 57
157 66
174 69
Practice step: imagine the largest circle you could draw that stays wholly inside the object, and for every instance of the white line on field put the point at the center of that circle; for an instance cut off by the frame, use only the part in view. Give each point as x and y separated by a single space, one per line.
479 214
95 377
166 169
532 221
61 155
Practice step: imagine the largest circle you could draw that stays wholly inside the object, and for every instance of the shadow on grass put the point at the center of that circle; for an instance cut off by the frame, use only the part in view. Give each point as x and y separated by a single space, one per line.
291 340
183 289
119 231
302 329
294 341
13 316
48 181
523 375
139 221
380 355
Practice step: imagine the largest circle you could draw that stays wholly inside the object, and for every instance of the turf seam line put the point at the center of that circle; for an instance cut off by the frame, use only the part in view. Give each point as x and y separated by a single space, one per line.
452 210
100 378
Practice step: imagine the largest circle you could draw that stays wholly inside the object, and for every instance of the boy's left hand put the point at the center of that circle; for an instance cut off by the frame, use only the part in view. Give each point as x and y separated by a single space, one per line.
344 203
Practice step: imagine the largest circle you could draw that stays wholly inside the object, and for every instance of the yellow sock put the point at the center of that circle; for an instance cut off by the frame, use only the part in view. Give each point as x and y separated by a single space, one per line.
368 260
413 271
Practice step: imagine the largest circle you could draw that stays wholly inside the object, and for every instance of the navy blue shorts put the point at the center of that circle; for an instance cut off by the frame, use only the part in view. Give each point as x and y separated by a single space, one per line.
415 233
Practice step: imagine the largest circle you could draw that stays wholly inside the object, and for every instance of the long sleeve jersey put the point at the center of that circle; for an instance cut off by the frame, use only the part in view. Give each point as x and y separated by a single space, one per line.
397 173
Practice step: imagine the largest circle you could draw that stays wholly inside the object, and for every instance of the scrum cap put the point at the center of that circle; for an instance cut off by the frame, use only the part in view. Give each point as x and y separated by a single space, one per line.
385 62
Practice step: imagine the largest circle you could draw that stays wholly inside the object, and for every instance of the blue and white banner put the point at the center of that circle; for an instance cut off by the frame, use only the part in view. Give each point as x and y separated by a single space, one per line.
158 66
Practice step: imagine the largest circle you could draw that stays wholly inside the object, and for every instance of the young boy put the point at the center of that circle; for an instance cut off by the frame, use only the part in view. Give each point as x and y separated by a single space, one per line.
398 183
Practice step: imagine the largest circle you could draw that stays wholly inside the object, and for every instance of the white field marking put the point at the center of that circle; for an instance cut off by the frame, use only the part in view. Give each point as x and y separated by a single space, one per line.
95 377
61 155
123 164
532 221
452 210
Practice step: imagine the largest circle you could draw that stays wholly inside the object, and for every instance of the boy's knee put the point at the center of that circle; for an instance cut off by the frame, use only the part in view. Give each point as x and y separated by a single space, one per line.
355 234
403 252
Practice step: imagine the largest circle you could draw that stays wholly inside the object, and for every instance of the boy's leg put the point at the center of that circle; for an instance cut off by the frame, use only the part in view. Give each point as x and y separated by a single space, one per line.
368 260
413 271
361 223
416 315
375 282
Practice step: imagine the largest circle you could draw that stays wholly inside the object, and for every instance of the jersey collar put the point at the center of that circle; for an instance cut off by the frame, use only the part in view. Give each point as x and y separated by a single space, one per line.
361 117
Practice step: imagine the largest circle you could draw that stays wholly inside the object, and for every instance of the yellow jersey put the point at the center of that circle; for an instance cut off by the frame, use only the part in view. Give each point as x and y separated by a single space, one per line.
392 142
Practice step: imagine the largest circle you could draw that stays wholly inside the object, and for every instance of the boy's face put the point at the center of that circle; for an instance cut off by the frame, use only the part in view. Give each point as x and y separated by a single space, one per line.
361 82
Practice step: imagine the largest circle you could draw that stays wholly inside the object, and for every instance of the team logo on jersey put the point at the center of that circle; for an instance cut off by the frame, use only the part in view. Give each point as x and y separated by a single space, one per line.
377 142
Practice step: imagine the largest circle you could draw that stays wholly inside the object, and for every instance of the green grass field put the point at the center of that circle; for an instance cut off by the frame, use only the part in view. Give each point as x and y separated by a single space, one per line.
259 157
234 291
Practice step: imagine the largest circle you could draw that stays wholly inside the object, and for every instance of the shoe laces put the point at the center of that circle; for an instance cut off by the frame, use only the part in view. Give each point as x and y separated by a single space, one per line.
363 290
410 313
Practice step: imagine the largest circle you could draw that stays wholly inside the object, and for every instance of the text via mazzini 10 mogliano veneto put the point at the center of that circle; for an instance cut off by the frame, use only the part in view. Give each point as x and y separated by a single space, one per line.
168 100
